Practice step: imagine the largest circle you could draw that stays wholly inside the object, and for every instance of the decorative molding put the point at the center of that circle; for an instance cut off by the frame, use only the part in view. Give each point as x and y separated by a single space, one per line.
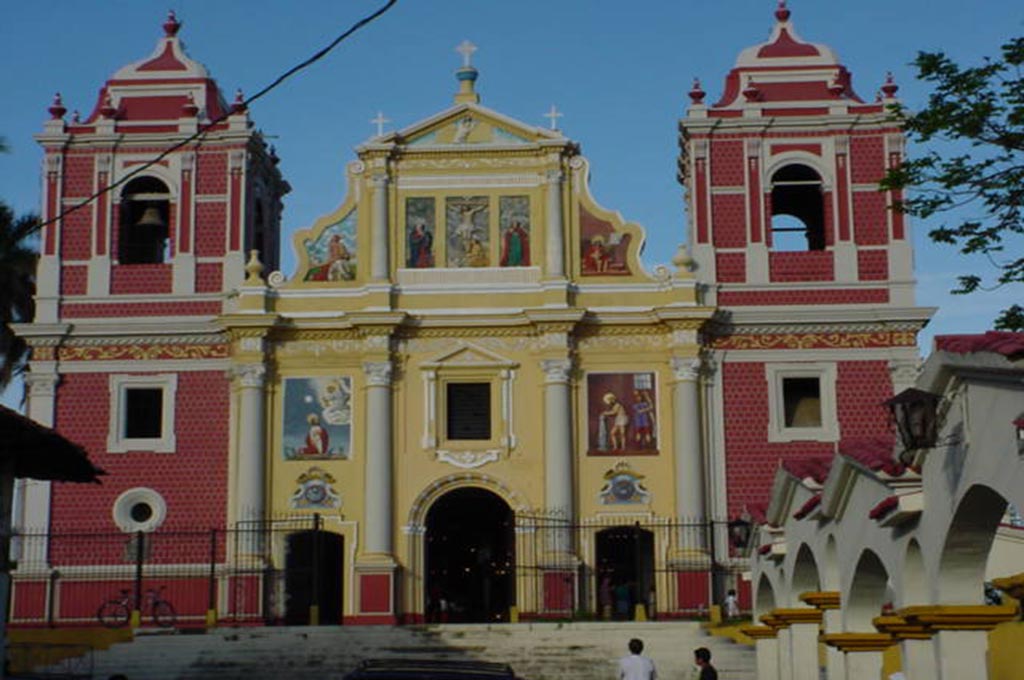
468 460
798 615
556 371
825 599
378 373
959 617
899 628
327 346
759 632
212 339
471 163
859 642
685 369
816 340
41 384
249 375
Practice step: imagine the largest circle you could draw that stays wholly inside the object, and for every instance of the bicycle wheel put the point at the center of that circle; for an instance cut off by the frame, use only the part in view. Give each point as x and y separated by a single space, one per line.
113 614
164 614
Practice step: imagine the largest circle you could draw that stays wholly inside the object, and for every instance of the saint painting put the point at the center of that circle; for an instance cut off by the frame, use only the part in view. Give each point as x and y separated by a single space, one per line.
332 255
514 226
419 233
602 249
622 414
468 231
317 418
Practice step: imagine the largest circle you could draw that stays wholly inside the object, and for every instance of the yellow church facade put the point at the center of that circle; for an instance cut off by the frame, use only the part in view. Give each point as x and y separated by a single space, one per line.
471 321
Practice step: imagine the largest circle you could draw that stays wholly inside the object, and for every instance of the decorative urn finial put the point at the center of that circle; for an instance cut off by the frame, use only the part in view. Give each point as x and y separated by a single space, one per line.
889 87
781 11
467 75
108 110
752 92
189 108
697 93
171 25
57 109
238 105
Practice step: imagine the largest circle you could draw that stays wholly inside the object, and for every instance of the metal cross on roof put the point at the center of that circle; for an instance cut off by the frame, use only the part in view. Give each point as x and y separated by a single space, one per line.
379 122
554 114
466 49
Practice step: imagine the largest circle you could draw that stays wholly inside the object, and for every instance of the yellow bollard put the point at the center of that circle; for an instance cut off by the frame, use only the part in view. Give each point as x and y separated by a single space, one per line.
513 614
211 618
640 612
136 619
314 615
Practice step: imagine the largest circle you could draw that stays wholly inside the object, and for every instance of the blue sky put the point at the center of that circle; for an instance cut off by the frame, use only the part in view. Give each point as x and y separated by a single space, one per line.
618 70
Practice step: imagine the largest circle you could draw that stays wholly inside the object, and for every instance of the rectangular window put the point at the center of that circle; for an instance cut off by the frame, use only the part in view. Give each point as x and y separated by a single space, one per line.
143 412
469 411
802 401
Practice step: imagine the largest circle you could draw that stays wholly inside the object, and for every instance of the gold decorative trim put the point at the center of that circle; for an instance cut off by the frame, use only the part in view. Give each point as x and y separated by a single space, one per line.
960 617
798 615
143 353
773 621
1011 585
759 632
859 642
837 340
822 599
900 628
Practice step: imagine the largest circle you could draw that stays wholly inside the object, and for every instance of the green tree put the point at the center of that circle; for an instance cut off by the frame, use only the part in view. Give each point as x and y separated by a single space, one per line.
976 114
17 284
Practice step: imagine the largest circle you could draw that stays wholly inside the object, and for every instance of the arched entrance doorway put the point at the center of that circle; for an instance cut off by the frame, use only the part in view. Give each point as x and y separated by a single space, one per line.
313 575
625 570
470 557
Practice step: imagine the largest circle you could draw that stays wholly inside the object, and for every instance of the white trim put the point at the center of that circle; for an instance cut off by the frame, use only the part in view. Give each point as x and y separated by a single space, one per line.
119 384
828 431
122 509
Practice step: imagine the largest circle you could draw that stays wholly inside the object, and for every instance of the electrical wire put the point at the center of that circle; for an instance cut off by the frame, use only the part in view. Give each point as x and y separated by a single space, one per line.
206 127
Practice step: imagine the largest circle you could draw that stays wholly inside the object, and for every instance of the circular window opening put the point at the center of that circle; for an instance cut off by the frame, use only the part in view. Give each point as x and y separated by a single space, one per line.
141 512
139 509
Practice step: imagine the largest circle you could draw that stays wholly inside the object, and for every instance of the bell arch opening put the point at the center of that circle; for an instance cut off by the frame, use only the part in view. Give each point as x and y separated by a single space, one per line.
144 227
798 209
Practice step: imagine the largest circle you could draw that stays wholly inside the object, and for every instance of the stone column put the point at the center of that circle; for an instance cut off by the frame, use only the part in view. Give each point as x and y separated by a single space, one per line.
251 448
555 237
377 520
960 640
558 487
862 652
689 455
804 624
32 498
828 603
379 228
767 648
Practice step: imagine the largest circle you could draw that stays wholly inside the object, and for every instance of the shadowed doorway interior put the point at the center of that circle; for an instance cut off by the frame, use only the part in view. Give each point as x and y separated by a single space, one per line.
313 574
470 558
625 569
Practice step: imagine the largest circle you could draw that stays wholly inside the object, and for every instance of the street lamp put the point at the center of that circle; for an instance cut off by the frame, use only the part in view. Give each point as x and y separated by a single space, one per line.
915 413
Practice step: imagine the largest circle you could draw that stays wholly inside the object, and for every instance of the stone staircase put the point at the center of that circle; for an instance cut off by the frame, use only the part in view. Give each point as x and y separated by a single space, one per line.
536 651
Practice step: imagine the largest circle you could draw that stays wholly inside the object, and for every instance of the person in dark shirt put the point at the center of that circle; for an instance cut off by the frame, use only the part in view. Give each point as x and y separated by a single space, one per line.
702 657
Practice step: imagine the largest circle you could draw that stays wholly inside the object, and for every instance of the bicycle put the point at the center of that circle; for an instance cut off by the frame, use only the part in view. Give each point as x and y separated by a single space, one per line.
117 612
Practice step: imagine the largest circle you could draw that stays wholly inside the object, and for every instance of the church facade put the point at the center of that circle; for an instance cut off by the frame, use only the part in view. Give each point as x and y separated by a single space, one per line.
471 388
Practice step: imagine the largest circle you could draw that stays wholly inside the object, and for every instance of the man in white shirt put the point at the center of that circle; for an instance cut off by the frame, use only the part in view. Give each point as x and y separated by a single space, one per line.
635 666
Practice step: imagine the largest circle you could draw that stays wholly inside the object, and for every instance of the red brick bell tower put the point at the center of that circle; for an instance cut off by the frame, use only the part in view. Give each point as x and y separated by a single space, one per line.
799 249
127 358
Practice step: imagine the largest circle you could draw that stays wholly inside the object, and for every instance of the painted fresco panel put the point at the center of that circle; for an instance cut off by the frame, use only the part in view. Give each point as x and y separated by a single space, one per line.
468 231
602 249
622 417
332 255
420 228
317 418
514 230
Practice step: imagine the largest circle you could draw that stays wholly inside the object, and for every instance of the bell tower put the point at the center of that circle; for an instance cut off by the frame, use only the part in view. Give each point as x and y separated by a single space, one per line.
811 269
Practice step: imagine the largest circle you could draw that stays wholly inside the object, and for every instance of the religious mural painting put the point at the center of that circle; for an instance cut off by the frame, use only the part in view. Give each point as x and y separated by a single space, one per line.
420 228
332 255
602 249
623 486
317 418
315 491
468 238
622 416
514 230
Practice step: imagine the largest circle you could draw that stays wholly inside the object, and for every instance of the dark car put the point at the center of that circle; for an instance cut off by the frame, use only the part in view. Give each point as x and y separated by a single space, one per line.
430 669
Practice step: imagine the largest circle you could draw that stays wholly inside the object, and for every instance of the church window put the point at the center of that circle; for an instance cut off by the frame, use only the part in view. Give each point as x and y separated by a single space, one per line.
468 411
801 402
139 509
142 413
798 209
144 222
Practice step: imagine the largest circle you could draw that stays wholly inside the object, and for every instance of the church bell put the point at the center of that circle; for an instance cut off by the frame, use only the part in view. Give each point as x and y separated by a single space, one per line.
151 217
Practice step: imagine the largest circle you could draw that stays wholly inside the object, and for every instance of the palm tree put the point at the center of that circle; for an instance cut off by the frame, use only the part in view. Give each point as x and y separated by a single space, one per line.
17 286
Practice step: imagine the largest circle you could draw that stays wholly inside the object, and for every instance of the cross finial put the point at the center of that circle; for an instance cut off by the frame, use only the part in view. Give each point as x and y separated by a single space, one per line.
379 122
466 49
554 114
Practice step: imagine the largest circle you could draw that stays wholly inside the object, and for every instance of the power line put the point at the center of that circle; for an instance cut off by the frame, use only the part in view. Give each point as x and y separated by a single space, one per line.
206 127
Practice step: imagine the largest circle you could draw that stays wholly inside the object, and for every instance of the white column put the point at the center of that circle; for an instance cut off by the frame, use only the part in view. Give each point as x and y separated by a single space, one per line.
785 638
377 517
689 456
557 436
379 229
835 665
804 640
918 656
866 665
961 653
32 498
767 650
556 238
251 445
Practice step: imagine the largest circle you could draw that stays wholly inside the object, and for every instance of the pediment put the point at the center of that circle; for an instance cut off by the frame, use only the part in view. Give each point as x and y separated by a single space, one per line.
469 126
468 355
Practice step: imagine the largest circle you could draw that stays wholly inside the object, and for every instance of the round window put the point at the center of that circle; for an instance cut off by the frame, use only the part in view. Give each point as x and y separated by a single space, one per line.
139 509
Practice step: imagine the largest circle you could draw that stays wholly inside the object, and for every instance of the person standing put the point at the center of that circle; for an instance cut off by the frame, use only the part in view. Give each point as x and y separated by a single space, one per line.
702 657
635 666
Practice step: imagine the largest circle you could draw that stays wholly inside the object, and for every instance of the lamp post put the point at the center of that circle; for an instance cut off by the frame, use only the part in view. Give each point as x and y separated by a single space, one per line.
915 413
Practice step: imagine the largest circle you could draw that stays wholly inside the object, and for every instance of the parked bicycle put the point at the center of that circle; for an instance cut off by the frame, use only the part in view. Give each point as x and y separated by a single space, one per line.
117 612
